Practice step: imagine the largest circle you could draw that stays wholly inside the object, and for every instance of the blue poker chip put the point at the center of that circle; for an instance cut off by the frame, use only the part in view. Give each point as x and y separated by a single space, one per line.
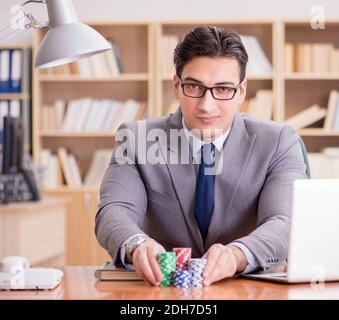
182 278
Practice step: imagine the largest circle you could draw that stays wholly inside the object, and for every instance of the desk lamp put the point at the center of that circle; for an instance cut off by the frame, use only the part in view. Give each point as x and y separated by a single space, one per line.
67 39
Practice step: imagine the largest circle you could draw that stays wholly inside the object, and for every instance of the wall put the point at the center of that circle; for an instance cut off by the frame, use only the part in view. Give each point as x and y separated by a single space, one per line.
154 10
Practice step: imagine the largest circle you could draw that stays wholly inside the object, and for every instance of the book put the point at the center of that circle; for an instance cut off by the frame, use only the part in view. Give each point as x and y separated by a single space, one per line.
109 271
258 63
75 171
98 167
261 105
289 57
307 117
63 158
331 109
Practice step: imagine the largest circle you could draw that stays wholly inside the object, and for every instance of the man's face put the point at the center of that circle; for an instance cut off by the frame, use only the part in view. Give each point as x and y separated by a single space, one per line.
207 112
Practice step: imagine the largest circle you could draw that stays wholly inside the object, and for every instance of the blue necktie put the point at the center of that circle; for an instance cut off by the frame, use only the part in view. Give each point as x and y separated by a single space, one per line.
204 193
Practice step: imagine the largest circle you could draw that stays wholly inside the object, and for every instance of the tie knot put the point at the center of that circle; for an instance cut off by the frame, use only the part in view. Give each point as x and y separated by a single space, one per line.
208 153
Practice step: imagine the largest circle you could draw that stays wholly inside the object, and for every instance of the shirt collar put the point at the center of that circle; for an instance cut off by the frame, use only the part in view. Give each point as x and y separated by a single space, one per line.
196 144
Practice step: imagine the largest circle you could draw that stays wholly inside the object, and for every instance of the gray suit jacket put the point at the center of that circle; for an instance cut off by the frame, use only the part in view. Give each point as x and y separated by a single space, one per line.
253 193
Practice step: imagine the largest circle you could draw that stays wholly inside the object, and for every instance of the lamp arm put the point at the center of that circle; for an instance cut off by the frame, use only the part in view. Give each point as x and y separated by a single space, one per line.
8 31
32 1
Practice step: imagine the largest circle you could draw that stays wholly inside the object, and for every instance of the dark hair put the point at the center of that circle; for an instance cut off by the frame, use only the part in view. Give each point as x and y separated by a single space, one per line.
210 42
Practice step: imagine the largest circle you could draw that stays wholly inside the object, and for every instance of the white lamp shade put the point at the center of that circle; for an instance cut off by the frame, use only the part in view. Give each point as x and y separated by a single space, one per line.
69 42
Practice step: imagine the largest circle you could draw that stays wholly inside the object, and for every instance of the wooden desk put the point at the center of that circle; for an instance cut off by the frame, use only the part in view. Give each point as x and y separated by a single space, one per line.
35 230
79 283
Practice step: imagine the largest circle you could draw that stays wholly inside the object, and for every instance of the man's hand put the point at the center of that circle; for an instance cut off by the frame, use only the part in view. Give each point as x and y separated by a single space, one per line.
145 262
223 262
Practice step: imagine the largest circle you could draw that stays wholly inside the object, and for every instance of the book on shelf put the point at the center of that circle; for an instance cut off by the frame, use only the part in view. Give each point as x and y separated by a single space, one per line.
306 117
289 57
336 115
331 120
98 167
324 164
109 271
261 105
330 151
61 168
51 169
117 56
168 43
90 115
311 58
70 168
75 172
304 57
258 62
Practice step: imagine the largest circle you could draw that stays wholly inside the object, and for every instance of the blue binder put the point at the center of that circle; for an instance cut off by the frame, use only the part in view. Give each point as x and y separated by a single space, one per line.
16 60
5 70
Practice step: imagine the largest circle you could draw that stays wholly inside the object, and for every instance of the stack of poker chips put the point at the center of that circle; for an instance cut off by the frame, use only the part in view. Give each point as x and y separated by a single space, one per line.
196 267
167 263
179 270
181 278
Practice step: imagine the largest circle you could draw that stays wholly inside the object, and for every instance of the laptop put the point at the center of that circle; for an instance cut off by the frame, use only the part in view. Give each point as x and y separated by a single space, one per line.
313 254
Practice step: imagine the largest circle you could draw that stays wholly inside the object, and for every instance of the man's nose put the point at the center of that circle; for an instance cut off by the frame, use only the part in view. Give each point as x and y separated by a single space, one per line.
207 102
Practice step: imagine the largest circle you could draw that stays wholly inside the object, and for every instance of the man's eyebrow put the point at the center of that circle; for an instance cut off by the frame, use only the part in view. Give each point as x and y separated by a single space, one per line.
218 83
192 79
226 82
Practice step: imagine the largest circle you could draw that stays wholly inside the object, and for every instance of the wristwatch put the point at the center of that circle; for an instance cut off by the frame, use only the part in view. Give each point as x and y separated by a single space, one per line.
132 244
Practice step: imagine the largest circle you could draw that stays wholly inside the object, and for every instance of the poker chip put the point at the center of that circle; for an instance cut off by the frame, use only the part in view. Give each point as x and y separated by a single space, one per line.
183 256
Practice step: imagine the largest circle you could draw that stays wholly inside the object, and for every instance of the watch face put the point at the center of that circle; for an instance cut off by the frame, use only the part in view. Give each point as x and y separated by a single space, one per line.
134 242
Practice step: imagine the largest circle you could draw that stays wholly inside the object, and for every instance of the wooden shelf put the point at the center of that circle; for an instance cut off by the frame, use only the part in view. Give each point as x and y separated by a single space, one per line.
16 46
311 76
58 133
15 96
252 78
318 132
67 189
121 77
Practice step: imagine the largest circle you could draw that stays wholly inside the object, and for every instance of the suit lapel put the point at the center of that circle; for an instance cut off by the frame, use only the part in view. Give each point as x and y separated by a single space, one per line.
183 176
236 154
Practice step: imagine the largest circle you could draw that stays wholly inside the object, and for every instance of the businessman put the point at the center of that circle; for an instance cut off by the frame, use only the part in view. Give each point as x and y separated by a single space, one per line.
205 177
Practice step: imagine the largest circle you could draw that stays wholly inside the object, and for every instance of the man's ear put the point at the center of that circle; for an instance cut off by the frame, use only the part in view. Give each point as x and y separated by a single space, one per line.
243 88
175 83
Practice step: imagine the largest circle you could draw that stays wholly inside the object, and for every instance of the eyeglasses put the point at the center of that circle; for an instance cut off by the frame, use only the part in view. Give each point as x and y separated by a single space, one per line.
195 90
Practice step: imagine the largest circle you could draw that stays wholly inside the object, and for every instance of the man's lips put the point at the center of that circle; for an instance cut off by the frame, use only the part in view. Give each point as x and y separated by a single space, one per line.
207 119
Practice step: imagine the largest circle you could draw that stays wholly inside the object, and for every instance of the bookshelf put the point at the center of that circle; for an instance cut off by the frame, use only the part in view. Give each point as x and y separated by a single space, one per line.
145 78
17 101
134 42
305 85
134 83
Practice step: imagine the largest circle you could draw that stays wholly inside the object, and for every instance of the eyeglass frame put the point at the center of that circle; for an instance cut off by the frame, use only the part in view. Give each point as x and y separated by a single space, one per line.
236 88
